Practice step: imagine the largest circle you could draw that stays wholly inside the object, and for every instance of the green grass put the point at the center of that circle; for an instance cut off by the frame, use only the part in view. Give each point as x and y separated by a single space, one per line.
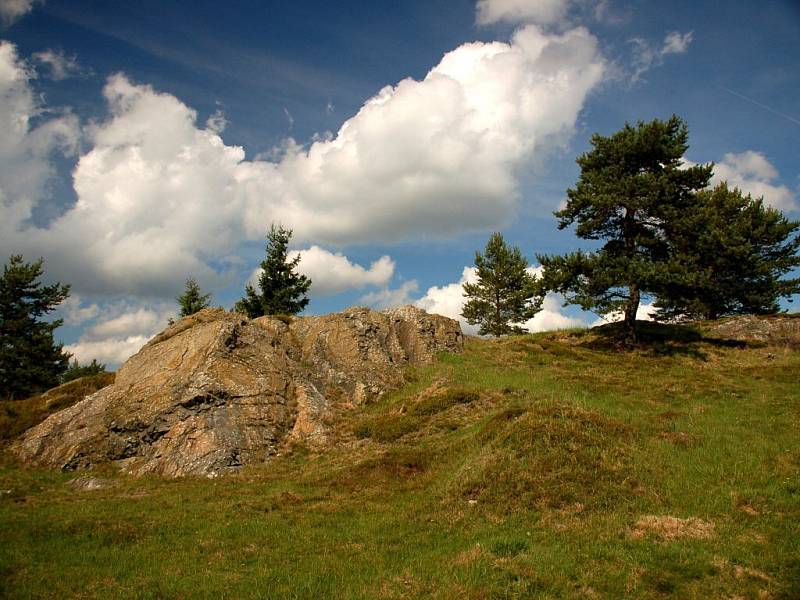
516 470
16 416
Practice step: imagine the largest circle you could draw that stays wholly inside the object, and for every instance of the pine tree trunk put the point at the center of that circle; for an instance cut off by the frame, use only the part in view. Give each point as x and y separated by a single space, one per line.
497 325
630 313
633 302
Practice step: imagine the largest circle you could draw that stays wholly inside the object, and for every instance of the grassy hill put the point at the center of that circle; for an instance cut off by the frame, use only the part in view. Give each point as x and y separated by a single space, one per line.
543 466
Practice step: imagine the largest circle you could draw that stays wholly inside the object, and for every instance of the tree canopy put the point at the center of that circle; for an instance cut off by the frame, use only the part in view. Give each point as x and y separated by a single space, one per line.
192 300
632 184
505 294
281 290
30 360
729 254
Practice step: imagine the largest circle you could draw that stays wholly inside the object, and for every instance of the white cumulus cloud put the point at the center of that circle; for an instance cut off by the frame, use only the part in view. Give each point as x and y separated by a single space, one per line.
74 312
60 66
111 352
26 150
159 197
753 174
333 273
550 317
448 300
543 12
391 298
142 321
12 10
120 331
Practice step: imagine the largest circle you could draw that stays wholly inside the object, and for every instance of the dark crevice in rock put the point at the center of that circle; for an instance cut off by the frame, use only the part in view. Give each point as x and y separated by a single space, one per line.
232 340
132 426
156 432
78 461
206 401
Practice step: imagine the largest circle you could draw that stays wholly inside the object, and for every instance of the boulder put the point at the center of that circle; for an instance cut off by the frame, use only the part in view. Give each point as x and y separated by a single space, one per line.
778 330
216 391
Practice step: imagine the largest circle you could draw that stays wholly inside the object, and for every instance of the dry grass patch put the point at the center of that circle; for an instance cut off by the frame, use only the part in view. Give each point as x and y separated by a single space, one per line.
672 528
469 556
680 438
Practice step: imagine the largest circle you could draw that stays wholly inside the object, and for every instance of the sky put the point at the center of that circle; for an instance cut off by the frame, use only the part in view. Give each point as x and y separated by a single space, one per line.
146 142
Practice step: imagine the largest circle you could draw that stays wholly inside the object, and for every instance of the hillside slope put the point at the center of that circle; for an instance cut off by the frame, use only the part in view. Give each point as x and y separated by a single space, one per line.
540 466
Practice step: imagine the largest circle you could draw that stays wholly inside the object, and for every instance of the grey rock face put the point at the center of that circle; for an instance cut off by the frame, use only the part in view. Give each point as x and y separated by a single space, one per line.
779 330
216 391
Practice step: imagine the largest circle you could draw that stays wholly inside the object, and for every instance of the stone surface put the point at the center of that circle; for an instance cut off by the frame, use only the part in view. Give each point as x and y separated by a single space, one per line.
781 330
216 391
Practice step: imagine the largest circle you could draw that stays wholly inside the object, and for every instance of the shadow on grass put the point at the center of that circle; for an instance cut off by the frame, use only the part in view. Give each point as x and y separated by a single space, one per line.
661 339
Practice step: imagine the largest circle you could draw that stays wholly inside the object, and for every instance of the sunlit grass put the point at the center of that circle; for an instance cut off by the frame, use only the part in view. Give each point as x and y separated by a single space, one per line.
518 469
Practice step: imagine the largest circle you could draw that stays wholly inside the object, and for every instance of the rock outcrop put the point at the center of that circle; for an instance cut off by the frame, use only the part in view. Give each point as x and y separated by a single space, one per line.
779 330
216 391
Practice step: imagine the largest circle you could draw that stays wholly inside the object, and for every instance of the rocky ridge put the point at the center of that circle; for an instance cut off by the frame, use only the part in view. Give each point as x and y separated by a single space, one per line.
781 329
216 391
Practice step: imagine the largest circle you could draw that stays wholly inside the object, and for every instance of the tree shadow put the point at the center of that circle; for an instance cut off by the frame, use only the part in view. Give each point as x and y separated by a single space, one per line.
661 339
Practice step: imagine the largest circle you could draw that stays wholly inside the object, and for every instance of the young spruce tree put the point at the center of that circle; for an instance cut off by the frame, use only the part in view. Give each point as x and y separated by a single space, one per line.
30 360
192 300
505 294
282 290
632 184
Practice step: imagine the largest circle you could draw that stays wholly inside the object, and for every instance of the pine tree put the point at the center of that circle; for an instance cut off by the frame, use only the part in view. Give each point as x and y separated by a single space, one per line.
282 290
30 360
505 293
632 184
191 300
728 255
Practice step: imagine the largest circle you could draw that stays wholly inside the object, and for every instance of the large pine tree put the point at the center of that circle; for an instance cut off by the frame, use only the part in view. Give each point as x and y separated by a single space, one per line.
729 255
505 295
30 360
631 185
281 290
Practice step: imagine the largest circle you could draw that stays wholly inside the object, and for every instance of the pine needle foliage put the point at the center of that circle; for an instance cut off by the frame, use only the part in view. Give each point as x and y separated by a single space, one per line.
281 290
729 255
632 185
77 370
505 294
30 359
192 299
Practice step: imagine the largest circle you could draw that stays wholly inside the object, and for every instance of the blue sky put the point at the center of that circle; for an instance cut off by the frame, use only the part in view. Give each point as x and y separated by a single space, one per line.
147 142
